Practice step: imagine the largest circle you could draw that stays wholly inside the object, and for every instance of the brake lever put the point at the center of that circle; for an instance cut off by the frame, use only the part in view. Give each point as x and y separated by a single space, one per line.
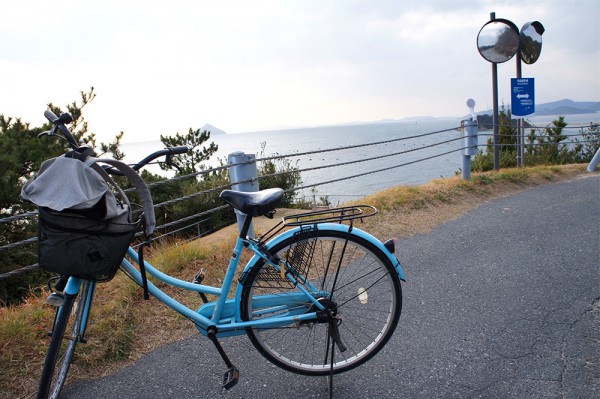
169 162
51 132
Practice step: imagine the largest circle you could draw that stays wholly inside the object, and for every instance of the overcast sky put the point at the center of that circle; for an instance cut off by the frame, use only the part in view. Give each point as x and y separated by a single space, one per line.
160 67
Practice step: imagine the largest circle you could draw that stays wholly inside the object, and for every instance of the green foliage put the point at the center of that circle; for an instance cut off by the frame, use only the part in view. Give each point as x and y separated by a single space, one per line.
591 137
113 148
486 121
202 191
484 160
279 173
22 152
192 161
202 195
21 155
209 182
546 146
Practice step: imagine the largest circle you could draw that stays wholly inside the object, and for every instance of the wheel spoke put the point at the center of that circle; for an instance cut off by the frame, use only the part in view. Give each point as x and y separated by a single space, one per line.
360 290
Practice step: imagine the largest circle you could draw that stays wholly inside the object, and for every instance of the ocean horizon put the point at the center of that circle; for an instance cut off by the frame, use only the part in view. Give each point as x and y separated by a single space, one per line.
411 168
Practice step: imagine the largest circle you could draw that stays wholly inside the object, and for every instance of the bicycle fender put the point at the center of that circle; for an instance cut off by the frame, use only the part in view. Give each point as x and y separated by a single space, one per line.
368 237
337 227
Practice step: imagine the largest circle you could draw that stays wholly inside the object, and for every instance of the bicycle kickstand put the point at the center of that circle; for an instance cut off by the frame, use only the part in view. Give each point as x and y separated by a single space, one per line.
333 340
232 374
329 378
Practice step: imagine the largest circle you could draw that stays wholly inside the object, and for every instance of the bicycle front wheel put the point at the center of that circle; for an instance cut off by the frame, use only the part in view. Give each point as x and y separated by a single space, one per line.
65 336
349 276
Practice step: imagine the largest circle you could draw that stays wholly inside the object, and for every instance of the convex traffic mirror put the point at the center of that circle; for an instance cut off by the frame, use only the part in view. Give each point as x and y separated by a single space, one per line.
498 41
531 41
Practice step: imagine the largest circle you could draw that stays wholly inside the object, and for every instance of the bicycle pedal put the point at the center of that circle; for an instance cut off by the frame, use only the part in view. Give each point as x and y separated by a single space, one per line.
230 379
199 278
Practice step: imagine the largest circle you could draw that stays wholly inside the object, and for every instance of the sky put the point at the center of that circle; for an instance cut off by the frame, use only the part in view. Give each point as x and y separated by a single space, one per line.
161 67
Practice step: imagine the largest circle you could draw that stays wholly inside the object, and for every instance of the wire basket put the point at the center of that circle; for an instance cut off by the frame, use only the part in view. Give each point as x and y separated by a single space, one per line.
300 254
268 277
296 263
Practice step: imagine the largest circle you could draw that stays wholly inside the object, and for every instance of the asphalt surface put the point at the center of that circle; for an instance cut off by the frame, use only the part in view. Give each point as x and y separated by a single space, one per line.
503 302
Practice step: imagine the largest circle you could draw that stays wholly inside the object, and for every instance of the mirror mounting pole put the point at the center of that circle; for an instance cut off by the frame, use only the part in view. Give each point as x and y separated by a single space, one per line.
520 122
495 109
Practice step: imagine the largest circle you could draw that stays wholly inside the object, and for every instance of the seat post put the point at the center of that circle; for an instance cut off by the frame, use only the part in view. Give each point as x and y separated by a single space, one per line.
246 226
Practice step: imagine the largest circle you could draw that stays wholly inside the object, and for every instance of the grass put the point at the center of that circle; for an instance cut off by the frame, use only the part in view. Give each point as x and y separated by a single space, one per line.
417 210
123 326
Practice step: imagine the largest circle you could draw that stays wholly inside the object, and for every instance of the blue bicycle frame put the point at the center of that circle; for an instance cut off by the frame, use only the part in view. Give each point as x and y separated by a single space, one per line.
224 314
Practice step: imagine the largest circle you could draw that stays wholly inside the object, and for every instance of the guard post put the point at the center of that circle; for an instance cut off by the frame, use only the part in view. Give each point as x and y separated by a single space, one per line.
244 177
469 142
594 162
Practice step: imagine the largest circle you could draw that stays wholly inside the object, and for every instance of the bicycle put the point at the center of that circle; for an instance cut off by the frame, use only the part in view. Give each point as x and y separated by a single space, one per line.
315 283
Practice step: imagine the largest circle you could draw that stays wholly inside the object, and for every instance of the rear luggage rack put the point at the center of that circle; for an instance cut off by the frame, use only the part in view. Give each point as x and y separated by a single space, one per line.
333 215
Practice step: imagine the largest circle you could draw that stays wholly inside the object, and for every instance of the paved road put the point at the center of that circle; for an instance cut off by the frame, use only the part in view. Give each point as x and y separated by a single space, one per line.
503 302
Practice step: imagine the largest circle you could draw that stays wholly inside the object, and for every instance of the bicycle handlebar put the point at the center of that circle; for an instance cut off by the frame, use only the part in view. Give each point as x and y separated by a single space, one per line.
156 154
167 151
59 122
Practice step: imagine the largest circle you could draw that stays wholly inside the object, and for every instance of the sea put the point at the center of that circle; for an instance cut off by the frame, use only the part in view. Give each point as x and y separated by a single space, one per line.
424 149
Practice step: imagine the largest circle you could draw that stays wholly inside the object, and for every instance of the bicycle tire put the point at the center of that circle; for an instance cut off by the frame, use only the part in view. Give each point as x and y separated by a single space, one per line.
367 321
65 336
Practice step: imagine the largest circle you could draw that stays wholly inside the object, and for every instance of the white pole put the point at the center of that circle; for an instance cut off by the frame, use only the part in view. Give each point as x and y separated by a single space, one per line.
246 173
592 166
470 132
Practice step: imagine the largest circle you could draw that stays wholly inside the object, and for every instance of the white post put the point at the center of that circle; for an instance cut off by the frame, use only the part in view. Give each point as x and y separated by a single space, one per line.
246 173
592 166
469 141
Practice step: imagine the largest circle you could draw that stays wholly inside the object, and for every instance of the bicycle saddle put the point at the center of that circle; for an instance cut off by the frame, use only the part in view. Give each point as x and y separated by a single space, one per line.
257 203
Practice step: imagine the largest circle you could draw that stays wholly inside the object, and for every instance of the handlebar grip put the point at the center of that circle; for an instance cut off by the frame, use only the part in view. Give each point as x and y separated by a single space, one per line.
50 116
182 149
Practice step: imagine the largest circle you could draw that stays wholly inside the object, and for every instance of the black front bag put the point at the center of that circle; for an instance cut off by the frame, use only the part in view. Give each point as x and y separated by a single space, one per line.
71 243
85 223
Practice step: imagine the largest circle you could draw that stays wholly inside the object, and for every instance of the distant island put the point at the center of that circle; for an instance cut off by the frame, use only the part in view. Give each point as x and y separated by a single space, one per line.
567 107
486 122
562 107
213 130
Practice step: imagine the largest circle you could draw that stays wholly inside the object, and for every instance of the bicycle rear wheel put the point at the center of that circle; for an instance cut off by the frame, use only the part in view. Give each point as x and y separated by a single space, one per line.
66 334
351 277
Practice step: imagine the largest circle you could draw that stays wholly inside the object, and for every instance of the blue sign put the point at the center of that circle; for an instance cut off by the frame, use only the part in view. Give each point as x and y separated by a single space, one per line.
522 96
